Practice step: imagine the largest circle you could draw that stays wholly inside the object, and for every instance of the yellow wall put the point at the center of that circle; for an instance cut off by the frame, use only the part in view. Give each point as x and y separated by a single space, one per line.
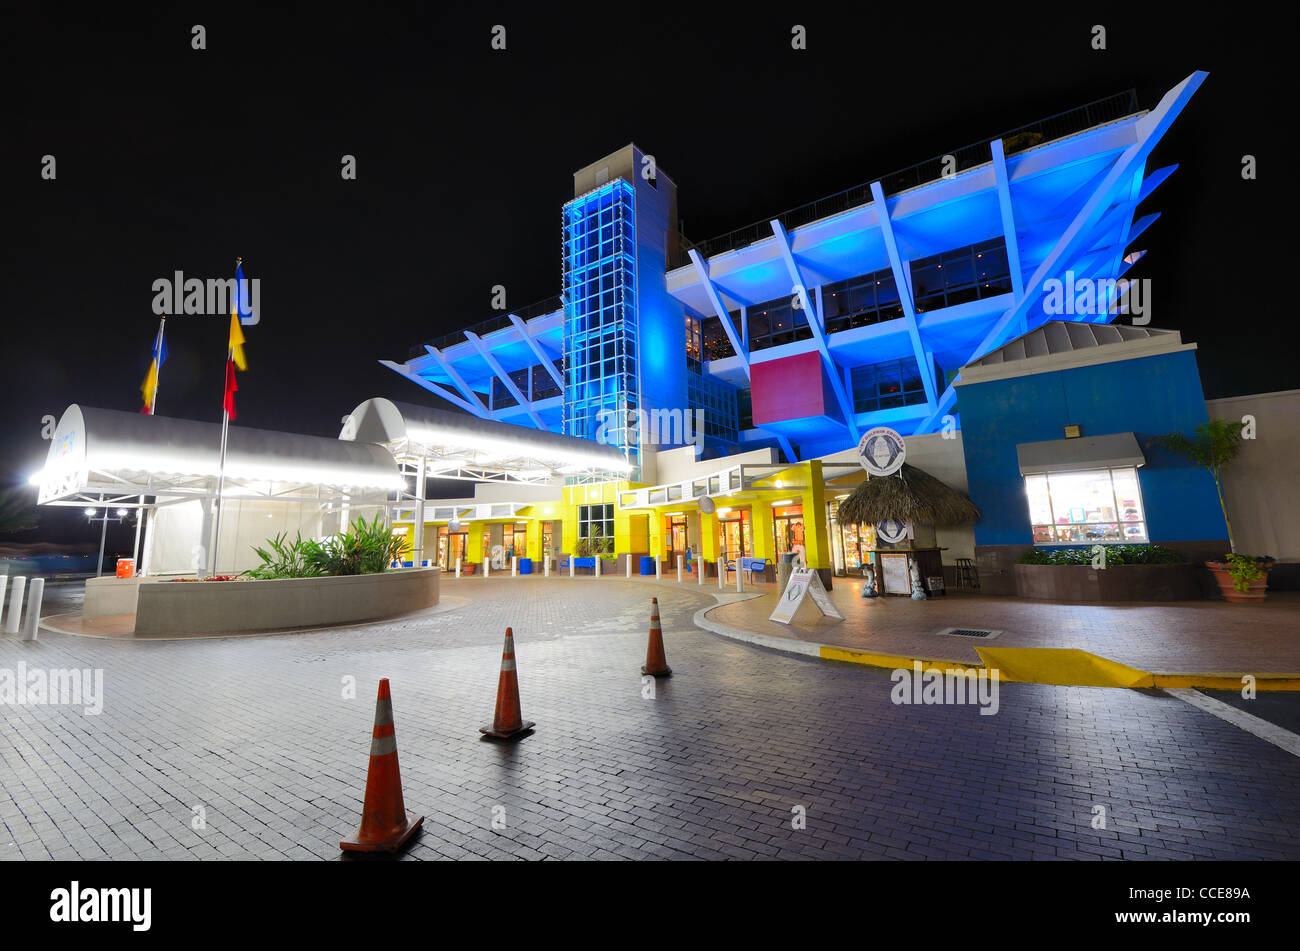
817 549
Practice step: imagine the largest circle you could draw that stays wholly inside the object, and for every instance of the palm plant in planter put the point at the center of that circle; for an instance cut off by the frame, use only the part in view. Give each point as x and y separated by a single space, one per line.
1213 445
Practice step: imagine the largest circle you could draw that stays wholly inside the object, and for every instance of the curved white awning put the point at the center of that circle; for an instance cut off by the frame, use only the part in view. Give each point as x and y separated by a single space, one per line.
110 452
457 445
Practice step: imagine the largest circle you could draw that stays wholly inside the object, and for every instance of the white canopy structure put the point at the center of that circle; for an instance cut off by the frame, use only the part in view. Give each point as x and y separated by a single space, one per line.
460 446
169 467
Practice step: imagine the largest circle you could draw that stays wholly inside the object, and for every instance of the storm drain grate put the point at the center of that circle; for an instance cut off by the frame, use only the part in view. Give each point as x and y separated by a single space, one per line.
970 632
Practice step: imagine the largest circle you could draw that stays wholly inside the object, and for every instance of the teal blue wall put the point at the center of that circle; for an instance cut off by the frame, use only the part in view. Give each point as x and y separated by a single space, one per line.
1147 396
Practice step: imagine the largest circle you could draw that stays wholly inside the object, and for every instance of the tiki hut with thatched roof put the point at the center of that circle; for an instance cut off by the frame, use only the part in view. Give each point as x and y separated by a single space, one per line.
910 494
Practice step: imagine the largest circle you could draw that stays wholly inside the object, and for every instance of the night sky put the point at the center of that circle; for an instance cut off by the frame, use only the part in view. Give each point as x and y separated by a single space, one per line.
172 159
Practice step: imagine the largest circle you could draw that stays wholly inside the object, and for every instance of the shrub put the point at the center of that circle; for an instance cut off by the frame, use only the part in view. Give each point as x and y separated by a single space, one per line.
365 548
286 559
1116 555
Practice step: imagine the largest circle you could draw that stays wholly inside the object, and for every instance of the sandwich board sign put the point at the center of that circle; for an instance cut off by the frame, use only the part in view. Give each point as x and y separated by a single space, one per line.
803 583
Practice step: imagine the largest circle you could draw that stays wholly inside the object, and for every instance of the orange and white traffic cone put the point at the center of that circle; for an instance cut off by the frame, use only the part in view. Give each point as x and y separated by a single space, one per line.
509 719
385 826
656 664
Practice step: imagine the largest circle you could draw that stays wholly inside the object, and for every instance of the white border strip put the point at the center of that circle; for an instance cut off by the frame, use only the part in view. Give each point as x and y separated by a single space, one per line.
1269 732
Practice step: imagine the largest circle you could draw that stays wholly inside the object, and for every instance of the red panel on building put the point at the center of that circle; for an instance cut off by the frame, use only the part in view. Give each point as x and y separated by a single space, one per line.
789 388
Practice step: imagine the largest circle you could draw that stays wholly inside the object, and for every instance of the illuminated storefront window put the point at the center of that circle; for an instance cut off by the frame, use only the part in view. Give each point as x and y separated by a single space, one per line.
1088 507
851 543
787 528
734 537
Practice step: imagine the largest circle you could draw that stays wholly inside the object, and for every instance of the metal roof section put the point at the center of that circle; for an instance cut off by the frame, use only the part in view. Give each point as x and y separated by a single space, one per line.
1063 345
460 446
1075 455
121 456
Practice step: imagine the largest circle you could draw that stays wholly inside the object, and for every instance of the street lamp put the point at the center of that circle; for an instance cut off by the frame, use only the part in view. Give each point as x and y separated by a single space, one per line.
104 519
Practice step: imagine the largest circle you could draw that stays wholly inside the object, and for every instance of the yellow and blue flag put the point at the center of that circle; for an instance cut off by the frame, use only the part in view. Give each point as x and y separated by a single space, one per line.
149 389
236 345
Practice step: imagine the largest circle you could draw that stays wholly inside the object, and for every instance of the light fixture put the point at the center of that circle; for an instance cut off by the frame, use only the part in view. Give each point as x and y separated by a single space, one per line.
90 512
121 513
779 483
34 478
783 502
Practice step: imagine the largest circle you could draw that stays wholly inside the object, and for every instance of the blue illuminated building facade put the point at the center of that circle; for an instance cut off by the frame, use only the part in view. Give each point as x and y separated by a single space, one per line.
801 331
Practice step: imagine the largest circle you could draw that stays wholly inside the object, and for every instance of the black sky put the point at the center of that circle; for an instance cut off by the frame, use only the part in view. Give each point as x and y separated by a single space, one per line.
174 159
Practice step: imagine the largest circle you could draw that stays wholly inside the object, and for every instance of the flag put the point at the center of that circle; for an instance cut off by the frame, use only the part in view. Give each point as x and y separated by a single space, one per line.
149 388
236 347
231 387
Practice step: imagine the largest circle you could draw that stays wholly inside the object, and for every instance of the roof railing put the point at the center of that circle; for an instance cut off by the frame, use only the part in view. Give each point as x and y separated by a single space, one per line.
1079 119
501 321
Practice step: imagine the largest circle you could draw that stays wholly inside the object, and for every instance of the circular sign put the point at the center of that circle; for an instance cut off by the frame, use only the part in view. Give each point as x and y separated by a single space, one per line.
707 505
881 451
891 530
453 527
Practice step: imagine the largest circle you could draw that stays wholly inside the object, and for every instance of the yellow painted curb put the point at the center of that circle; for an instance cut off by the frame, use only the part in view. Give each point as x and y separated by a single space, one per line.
1061 667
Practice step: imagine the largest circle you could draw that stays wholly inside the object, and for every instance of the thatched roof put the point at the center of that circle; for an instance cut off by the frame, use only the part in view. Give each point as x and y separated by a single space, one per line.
912 495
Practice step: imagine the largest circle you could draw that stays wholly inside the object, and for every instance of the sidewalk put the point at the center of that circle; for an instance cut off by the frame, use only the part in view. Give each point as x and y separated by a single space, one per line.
1182 637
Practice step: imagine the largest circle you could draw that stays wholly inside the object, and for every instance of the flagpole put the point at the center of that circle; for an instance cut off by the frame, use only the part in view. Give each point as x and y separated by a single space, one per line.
225 430
153 406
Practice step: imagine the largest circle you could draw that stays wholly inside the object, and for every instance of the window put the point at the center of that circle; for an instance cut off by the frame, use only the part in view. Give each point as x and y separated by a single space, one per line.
961 275
692 344
1095 506
859 301
886 385
596 522
776 322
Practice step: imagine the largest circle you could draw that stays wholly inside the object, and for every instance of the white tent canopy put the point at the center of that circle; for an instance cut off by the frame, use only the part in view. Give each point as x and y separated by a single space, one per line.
118 456
460 446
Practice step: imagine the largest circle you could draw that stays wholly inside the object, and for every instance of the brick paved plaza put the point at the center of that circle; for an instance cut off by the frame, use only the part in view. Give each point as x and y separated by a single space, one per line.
256 732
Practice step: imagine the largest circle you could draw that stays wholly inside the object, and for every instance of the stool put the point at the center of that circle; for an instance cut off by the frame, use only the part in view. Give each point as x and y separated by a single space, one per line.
968 576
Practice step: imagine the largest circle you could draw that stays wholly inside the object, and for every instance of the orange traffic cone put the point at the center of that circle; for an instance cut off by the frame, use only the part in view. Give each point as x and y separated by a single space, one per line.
385 826
656 664
509 719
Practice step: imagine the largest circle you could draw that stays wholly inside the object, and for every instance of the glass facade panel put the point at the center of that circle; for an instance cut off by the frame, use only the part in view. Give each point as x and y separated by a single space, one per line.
600 325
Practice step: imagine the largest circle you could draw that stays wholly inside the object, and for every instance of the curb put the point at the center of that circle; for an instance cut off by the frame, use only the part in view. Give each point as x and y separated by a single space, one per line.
1049 666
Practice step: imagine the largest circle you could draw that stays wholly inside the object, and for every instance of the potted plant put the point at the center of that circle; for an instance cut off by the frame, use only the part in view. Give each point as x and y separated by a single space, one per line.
1242 578
1213 445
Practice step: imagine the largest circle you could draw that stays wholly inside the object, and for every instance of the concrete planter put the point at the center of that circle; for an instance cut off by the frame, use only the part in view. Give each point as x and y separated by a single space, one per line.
219 607
1120 583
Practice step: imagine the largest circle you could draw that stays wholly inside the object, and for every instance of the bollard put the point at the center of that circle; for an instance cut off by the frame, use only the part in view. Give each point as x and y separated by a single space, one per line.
595 566
659 570
514 566
629 564
571 557
546 567
722 572
15 605
739 575
457 567
487 567
699 571
35 595
679 569
4 584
